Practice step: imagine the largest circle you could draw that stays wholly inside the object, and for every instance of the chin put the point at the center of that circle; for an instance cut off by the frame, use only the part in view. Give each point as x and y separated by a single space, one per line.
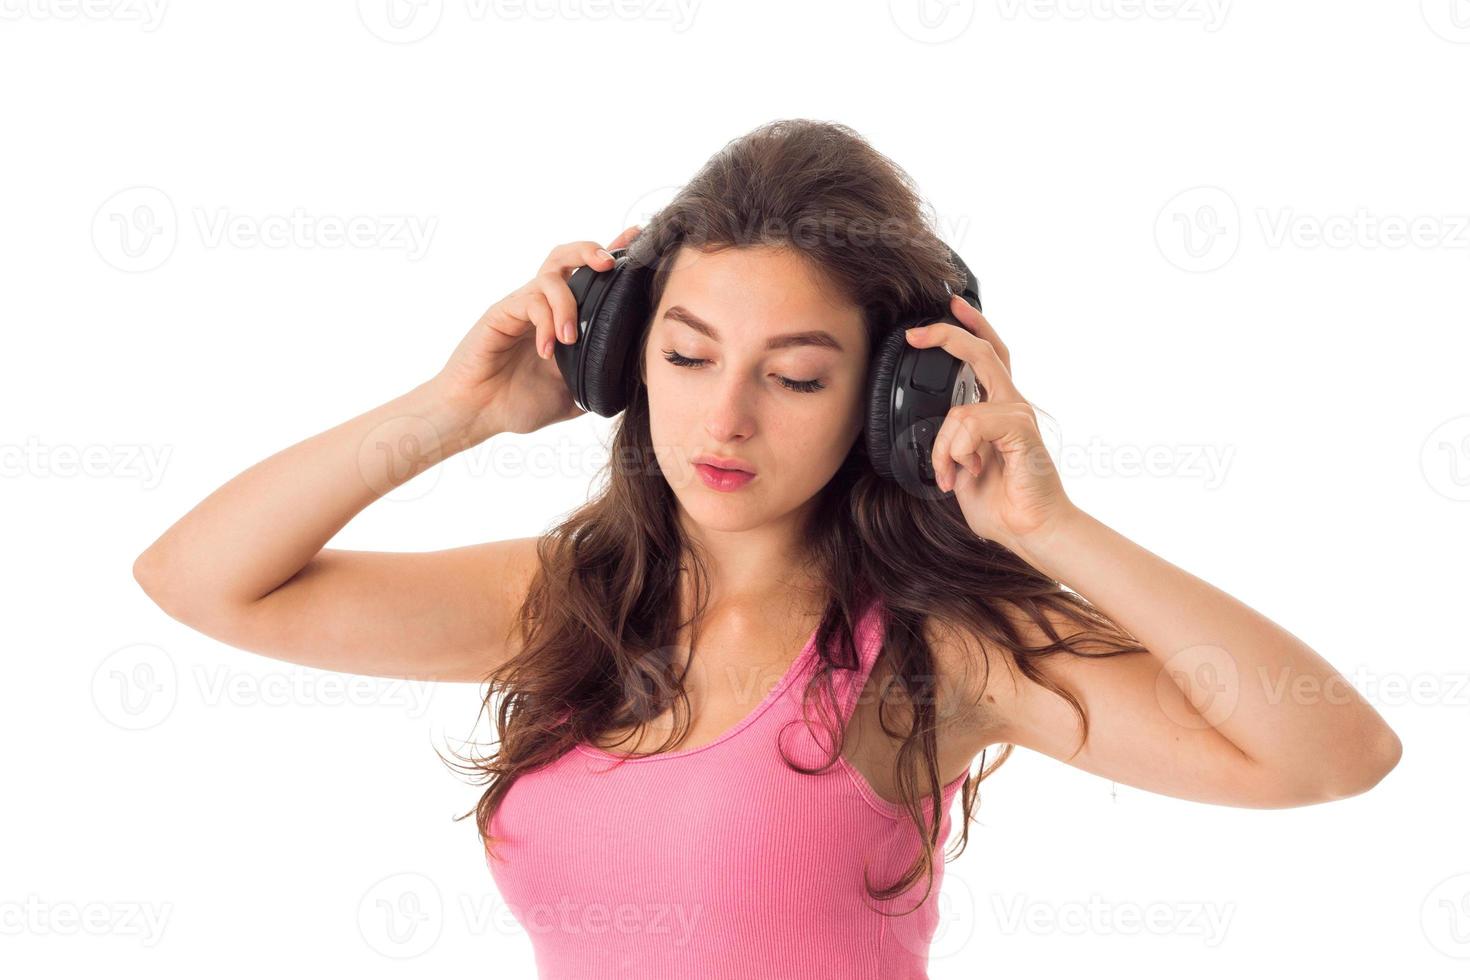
716 511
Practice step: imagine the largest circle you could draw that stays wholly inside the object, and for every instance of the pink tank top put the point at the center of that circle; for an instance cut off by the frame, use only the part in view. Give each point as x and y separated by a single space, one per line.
719 861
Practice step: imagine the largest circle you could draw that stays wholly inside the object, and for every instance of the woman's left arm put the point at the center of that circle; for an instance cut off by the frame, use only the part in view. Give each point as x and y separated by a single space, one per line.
1310 736
1228 707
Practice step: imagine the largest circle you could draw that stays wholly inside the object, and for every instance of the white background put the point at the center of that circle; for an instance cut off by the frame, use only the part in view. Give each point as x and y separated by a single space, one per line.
1189 223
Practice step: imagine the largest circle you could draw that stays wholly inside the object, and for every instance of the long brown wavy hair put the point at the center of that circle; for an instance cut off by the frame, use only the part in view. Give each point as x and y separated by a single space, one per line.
602 610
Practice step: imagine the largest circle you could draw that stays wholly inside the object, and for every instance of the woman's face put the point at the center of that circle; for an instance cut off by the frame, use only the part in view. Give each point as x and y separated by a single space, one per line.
758 327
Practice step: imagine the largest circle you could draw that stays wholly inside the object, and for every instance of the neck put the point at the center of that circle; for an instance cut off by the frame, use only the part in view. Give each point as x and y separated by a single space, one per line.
760 566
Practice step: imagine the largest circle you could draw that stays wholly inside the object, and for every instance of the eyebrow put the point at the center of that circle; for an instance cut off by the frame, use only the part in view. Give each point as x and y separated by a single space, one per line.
804 338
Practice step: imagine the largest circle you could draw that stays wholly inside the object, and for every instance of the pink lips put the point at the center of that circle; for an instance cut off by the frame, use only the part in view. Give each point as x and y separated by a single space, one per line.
724 480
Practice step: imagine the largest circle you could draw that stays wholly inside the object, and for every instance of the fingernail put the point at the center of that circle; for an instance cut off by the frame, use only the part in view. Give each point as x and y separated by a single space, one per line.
565 331
603 253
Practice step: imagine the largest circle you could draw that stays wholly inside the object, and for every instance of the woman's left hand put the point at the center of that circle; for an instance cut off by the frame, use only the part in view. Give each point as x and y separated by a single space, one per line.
990 453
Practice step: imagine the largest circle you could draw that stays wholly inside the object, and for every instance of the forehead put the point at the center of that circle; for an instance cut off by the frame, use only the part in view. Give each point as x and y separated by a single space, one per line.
750 293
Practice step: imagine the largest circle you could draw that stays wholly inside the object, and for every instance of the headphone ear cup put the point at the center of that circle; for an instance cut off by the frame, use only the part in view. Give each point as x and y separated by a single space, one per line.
882 375
598 367
929 379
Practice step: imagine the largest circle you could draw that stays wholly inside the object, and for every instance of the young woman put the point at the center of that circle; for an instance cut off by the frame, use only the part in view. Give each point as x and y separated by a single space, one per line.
733 708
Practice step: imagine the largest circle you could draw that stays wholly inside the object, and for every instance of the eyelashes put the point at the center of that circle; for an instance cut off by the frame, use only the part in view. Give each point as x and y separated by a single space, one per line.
679 360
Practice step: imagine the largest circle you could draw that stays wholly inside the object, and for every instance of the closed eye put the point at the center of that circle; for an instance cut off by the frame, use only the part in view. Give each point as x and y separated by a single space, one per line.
679 360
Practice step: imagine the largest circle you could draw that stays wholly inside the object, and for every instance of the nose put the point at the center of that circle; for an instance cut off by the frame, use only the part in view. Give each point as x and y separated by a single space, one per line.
730 416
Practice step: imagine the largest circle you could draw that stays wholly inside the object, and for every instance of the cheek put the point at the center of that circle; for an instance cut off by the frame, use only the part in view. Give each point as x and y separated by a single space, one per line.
674 427
669 408
817 435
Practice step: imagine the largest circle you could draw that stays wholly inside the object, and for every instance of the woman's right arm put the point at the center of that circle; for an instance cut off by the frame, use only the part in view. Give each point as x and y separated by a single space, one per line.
248 565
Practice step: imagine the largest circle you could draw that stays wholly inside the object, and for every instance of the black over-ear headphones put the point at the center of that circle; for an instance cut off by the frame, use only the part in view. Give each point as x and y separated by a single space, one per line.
910 389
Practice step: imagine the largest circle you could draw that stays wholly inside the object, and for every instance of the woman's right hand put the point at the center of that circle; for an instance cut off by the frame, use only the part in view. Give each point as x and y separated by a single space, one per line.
503 374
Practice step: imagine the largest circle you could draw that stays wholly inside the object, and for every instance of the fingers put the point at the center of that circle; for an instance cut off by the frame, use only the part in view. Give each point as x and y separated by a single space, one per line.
551 282
970 431
533 307
562 322
556 315
961 438
990 370
957 444
975 321
565 258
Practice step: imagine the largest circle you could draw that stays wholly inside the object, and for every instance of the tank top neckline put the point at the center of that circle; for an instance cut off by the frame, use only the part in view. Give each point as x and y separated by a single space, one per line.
729 733
776 692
